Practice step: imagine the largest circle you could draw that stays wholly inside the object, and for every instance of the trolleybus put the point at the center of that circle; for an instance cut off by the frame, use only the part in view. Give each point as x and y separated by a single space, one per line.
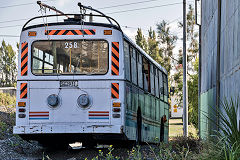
86 81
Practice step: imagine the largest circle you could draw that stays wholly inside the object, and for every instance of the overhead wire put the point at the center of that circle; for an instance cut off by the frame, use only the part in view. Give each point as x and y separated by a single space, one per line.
9 36
171 4
124 26
130 10
10 26
15 20
98 8
127 4
23 4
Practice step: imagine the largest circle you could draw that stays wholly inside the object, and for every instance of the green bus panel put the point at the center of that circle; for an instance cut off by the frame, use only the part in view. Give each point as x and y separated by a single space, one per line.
152 109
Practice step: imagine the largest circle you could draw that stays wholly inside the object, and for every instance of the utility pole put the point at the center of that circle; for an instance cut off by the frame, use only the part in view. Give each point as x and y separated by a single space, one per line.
185 94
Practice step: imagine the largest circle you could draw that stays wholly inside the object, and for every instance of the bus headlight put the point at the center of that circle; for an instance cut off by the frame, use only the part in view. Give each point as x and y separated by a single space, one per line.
53 100
83 100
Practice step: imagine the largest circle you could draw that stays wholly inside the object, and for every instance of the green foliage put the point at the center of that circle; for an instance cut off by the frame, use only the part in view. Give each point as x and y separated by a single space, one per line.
8 66
228 121
135 154
7 100
153 49
108 156
141 41
3 127
227 137
232 152
167 44
193 97
158 45
192 67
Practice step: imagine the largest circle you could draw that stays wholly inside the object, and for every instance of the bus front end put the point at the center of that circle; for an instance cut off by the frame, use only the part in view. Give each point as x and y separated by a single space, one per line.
70 84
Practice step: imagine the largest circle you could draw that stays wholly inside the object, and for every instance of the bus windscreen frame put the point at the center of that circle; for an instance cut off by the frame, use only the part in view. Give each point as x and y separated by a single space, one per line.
58 66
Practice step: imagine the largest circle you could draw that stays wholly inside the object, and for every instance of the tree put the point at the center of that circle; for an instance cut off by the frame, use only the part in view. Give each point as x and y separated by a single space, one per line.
193 96
141 41
7 65
192 61
153 49
167 44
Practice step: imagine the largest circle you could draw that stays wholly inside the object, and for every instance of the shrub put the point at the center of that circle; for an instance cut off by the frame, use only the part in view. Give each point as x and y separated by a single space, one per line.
7 100
227 137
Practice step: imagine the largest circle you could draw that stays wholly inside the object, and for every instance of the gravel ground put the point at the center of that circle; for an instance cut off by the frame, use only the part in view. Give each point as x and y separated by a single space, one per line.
14 148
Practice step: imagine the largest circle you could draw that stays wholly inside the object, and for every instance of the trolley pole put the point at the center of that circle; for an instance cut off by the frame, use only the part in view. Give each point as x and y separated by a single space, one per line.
185 94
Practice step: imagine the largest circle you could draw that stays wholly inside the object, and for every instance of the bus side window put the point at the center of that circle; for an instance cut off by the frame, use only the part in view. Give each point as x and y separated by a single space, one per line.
161 85
127 61
165 84
152 78
146 75
140 74
133 65
156 83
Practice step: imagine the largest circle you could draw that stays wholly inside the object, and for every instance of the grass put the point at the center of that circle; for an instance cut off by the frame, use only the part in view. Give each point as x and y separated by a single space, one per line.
176 128
7 100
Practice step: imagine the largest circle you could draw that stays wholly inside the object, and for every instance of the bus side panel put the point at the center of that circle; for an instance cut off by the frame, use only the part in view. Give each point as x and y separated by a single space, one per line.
141 105
166 125
130 122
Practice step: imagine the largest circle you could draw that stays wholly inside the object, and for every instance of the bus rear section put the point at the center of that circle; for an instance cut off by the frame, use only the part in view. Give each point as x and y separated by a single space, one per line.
70 84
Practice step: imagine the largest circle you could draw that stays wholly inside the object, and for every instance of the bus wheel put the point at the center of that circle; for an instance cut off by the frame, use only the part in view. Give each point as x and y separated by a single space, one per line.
139 127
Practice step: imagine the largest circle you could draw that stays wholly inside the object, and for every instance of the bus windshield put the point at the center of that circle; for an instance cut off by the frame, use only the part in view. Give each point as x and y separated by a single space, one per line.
70 57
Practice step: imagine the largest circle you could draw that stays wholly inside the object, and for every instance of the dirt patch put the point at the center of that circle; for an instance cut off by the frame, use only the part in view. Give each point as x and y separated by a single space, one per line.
12 146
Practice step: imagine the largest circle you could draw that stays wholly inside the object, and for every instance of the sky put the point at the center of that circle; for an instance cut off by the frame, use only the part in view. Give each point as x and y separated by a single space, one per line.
15 13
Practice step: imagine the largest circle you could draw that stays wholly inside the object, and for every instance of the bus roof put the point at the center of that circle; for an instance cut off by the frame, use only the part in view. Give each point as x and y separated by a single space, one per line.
73 21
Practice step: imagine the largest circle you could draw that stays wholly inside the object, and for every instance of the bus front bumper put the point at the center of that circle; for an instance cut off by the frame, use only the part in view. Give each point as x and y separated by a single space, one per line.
42 129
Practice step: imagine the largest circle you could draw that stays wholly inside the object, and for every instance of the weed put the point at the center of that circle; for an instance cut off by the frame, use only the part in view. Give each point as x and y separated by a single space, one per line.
108 156
226 140
135 153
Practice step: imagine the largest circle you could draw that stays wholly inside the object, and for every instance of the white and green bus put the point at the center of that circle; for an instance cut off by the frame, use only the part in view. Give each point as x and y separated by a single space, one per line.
86 81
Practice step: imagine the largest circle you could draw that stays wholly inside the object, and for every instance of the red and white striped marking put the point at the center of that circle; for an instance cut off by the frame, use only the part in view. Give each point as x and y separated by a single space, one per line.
39 115
98 114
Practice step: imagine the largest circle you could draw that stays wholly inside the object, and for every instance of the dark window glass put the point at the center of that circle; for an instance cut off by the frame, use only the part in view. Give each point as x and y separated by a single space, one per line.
156 83
165 92
161 90
146 75
127 61
140 73
152 79
133 65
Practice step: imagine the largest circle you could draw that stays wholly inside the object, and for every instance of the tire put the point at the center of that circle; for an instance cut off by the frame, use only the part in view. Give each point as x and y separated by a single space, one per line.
139 127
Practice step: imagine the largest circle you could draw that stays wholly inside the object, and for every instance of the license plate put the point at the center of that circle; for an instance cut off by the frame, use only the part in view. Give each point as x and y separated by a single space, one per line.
68 83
